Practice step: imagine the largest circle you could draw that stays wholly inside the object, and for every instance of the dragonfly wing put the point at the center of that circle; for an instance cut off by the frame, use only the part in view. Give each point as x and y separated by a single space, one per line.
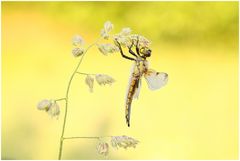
155 80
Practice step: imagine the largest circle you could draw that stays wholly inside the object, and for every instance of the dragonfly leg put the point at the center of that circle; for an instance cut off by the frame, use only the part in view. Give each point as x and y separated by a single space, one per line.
121 51
130 50
137 47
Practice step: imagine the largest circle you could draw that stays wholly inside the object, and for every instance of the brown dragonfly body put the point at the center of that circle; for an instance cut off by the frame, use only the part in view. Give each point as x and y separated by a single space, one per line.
155 80
139 68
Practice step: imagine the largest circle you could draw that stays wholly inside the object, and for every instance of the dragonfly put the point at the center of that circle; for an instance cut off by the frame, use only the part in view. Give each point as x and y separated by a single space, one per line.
140 68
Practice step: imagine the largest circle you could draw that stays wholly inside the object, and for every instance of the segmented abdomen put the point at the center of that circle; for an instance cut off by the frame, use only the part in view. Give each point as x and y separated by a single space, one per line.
132 88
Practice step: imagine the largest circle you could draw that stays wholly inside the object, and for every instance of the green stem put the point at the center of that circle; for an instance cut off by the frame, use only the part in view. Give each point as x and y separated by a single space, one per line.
66 105
86 137
81 137
84 73
60 99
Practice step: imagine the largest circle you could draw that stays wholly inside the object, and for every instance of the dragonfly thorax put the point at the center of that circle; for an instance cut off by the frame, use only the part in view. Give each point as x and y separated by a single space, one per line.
140 67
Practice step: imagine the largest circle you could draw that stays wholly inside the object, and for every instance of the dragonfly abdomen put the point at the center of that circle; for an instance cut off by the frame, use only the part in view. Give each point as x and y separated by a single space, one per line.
131 91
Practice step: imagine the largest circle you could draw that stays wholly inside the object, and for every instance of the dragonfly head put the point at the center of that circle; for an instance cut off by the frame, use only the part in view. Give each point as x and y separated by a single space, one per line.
145 52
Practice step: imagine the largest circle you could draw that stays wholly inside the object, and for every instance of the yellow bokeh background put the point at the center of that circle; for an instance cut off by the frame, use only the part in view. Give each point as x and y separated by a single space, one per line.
195 116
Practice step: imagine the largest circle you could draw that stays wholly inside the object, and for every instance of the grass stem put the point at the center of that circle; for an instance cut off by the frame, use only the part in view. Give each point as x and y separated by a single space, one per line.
67 100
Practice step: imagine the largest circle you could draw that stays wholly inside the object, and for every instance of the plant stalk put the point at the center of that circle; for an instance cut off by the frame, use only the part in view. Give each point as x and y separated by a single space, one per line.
66 98
83 137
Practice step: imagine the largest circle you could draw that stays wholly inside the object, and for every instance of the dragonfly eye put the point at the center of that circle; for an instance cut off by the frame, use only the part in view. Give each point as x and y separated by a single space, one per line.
146 52
149 53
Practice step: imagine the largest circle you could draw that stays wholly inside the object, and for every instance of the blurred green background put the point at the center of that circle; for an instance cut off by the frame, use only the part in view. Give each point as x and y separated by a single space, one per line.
194 117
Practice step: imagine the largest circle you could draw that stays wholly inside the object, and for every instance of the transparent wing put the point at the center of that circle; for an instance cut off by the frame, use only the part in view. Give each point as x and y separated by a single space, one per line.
155 80
137 91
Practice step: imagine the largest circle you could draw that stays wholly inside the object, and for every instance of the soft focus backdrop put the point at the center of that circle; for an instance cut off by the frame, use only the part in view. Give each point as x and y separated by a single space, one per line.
194 117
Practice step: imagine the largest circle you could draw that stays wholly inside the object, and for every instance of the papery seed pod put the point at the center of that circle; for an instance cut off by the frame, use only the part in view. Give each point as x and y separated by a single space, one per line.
77 52
103 79
142 41
44 105
123 142
108 26
89 81
50 106
104 34
77 40
122 40
114 141
125 31
102 49
105 49
103 148
54 110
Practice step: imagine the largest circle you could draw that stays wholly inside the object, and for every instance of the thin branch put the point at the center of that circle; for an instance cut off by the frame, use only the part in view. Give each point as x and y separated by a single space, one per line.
81 138
60 99
85 73
67 92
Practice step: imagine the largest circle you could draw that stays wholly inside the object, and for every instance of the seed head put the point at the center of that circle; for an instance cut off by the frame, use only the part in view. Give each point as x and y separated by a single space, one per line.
108 26
103 148
123 141
44 105
54 110
50 106
77 40
105 49
89 81
103 79
125 31
77 52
